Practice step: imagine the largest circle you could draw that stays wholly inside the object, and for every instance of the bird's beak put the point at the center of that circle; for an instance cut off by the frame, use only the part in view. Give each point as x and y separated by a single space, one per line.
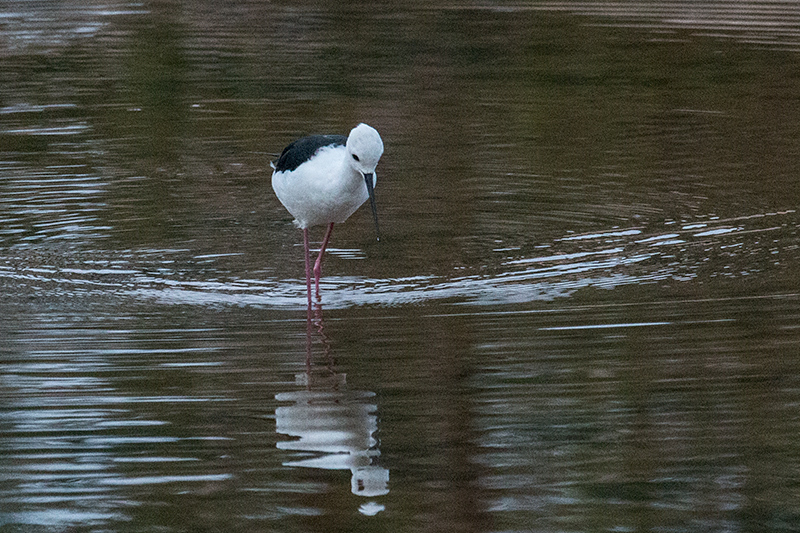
371 191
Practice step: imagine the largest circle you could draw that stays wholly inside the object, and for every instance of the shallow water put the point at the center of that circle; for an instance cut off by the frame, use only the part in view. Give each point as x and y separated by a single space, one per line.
583 315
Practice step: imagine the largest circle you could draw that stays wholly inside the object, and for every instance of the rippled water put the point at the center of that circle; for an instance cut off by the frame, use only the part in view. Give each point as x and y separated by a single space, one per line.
583 315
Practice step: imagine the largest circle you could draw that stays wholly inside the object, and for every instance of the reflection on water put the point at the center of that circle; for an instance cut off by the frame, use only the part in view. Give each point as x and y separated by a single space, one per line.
583 315
75 436
678 252
337 426
769 25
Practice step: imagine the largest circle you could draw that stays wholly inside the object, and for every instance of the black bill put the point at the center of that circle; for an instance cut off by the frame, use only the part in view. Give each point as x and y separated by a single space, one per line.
371 191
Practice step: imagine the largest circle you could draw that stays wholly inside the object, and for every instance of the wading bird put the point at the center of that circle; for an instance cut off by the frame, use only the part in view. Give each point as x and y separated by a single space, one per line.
322 179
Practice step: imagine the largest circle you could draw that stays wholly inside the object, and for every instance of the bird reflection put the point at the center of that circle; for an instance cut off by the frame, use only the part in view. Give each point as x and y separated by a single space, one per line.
338 427
335 425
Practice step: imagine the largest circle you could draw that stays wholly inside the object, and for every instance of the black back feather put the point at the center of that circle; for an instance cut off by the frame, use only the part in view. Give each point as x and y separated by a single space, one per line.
303 149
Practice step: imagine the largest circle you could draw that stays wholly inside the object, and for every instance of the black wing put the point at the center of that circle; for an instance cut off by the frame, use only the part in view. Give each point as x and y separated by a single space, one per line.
303 149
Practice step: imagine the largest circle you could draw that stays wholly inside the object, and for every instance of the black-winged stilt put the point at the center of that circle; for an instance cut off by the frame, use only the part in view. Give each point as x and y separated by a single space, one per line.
323 179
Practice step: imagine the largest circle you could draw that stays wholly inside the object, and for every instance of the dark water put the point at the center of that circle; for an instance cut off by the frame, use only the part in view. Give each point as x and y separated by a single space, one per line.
584 314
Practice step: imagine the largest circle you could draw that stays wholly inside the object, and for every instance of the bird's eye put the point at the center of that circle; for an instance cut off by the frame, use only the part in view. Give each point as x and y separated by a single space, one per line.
355 157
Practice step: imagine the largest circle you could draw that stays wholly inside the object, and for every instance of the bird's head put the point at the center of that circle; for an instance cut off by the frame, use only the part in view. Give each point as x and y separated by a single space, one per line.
364 150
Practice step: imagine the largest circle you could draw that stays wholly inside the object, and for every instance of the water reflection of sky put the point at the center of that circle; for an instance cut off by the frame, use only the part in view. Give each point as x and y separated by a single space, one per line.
73 440
769 25
605 259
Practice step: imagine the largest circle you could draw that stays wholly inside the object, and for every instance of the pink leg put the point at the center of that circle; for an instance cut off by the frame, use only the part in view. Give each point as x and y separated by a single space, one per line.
318 264
307 251
309 312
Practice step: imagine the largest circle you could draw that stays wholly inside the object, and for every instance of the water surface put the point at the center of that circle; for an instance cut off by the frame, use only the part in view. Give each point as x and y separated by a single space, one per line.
583 315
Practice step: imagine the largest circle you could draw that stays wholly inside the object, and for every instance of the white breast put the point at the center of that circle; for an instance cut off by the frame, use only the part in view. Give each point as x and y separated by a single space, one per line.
322 190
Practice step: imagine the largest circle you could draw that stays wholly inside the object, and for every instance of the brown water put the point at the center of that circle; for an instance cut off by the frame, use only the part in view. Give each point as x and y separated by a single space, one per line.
584 314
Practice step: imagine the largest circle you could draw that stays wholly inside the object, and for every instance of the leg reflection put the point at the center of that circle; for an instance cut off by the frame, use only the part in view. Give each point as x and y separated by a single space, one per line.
315 322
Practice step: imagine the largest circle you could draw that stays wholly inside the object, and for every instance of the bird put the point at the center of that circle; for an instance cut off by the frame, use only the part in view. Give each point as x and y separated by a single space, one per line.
322 180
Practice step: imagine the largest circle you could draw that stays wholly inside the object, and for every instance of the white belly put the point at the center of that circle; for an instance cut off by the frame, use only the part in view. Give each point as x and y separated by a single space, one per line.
317 195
